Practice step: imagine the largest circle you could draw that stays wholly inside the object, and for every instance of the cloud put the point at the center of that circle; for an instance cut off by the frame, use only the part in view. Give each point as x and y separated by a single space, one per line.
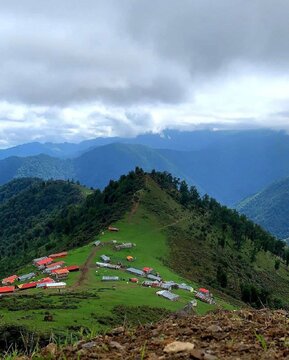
73 69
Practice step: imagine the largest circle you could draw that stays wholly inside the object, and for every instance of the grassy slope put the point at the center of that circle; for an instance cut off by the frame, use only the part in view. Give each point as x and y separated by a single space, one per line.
146 228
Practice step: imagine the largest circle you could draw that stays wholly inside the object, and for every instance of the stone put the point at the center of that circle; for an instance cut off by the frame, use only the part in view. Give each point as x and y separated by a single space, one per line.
214 328
179 346
50 349
89 345
116 345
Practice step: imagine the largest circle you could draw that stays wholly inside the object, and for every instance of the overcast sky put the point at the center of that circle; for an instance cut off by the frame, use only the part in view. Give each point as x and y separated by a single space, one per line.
72 69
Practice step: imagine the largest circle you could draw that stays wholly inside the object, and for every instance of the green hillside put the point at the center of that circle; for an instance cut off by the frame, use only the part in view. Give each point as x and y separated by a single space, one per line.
182 236
270 208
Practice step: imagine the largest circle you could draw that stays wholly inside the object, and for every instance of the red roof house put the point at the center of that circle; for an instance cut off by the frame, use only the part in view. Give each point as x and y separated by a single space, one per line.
203 290
147 270
60 263
58 255
9 280
44 262
7 289
28 285
72 268
45 280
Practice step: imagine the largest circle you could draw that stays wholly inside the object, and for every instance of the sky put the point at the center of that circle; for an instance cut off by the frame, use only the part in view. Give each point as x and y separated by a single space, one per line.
72 70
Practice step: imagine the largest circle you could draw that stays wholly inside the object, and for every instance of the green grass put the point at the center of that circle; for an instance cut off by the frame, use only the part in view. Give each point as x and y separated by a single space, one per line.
95 299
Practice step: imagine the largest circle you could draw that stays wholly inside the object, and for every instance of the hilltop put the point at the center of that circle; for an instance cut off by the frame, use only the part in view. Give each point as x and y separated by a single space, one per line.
182 236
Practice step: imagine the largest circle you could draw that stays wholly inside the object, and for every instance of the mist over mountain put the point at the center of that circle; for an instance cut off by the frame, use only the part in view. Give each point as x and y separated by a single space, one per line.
229 166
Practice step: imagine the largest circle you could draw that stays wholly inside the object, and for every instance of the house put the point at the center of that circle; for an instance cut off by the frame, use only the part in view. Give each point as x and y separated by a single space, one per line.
7 289
168 295
28 285
168 285
133 280
50 269
26 277
38 259
124 246
154 278
110 278
41 264
59 285
185 287
72 268
60 273
135 271
107 266
58 263
41 283
58 255
9 280
113 229
147 270
105 259
97 243
151 284
205 296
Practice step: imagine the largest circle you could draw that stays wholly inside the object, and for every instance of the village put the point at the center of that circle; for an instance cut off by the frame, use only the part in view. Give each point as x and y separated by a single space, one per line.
53 272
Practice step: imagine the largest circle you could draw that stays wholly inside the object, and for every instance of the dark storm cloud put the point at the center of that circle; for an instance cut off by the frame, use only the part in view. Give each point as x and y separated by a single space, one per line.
130 52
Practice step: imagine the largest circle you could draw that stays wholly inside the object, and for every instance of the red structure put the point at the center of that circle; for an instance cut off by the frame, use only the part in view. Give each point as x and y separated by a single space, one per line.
9 280
44 262
72 268
7 289
58 255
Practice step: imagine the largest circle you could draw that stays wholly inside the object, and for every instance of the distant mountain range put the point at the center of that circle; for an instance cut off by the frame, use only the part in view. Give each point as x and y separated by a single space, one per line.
270 208
227 165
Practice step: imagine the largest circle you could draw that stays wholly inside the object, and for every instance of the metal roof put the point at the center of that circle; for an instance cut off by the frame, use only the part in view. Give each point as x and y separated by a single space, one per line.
135 271
168 295
110 278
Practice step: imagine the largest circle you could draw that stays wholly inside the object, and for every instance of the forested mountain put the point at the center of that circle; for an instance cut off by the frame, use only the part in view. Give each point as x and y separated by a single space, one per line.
208 243
270 208
229 170
25 215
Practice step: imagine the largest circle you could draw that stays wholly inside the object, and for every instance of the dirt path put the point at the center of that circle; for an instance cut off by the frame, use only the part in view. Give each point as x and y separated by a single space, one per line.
85 269
133 210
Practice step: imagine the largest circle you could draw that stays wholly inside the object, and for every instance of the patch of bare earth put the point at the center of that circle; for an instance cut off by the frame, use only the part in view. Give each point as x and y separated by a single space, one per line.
243 334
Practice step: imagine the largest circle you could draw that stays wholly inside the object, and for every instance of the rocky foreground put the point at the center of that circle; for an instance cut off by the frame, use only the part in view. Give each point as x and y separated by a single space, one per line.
222 335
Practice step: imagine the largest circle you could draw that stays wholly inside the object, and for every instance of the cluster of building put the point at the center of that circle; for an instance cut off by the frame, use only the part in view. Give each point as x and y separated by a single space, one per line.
50 266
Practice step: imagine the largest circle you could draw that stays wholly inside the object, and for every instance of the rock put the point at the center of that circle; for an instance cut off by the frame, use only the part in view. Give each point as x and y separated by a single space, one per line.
89 345
50 350
116 345
210 357
214 328
179 346
117 331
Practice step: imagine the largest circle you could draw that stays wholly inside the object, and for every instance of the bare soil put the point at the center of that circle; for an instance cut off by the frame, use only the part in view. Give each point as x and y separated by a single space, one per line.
244 334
